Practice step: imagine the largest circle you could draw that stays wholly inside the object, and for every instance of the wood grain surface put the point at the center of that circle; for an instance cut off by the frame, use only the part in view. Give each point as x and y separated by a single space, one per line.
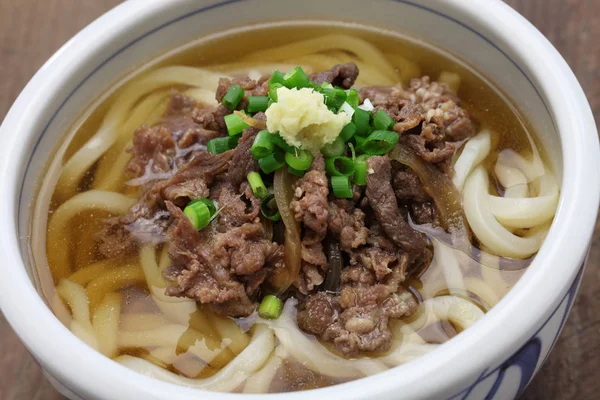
31 30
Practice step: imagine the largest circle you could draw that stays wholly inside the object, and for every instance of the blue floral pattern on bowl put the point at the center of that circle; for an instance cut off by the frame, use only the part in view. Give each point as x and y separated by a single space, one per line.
510 378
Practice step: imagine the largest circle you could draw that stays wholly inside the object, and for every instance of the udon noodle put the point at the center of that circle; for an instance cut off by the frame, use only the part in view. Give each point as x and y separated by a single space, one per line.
119 306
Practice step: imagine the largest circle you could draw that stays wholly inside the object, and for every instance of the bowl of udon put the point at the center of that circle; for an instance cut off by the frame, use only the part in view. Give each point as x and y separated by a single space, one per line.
229 199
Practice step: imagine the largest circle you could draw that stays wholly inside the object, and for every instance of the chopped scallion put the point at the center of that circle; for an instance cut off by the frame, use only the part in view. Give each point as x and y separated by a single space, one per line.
277 77
382 121
352 98
282 144
296 172
362 120
347 132
218 145
209 204
334 149
268 208
341 187
270 307
334 98
272 162
296 78
379 142
300 160
263 145
258 186
258 103
339 166
360 170
198 214
233 97
273 91
235 124
347 108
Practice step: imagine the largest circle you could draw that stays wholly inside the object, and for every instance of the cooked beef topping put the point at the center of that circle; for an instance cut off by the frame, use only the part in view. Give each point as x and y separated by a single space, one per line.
343 75
407 184
358 319
213 271
384 204
310 201
224 264
432 106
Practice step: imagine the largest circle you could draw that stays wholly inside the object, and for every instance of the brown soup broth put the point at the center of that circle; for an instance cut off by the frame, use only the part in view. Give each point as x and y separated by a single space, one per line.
480 97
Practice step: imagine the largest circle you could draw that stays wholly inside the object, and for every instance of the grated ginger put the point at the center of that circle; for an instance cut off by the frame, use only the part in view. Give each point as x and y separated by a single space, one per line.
303 120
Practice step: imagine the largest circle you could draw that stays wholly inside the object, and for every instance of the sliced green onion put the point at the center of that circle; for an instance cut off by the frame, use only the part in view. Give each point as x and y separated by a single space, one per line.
296 172
347 132
263 145
382 121
270 307
347 108
296 78
277 77
282 144
362 119
300 160
351 147
272 162
341 187
268 208
360 170
258 186
209 204
233 97
379 142
339 166
218 145
234 140
235 124
198 214
273 91
334 98
334 149
258 103
352 98
359 142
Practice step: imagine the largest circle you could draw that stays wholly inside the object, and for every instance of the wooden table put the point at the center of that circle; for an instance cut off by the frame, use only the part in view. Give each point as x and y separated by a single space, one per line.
30 31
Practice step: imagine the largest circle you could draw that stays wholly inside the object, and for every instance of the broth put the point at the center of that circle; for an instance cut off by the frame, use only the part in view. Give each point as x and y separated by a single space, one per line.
124 316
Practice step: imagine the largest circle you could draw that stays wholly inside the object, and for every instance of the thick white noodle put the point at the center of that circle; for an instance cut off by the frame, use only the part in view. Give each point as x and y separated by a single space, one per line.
228 378
261 380
460 312
114 203
314 355
485 226
81 325
202 96
445 258
406 352
177 309
108 132
529 211
363 49
166 336
512 179
474 152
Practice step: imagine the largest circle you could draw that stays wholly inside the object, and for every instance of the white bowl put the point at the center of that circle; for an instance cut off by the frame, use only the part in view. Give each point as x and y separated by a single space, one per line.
495 358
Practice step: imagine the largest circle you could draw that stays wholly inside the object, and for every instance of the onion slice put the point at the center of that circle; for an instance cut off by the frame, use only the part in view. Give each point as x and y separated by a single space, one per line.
439 187
283 188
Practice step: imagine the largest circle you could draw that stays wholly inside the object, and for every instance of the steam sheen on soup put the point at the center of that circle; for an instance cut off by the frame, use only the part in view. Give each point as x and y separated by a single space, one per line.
290 207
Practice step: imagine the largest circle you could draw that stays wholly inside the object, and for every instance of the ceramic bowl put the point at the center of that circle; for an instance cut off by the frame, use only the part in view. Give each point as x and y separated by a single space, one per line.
495 359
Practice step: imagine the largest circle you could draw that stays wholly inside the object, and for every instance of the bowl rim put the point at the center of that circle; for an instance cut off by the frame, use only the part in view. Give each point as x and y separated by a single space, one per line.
466 354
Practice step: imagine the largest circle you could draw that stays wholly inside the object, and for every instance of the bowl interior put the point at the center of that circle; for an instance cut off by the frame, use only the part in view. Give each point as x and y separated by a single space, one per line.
82 72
